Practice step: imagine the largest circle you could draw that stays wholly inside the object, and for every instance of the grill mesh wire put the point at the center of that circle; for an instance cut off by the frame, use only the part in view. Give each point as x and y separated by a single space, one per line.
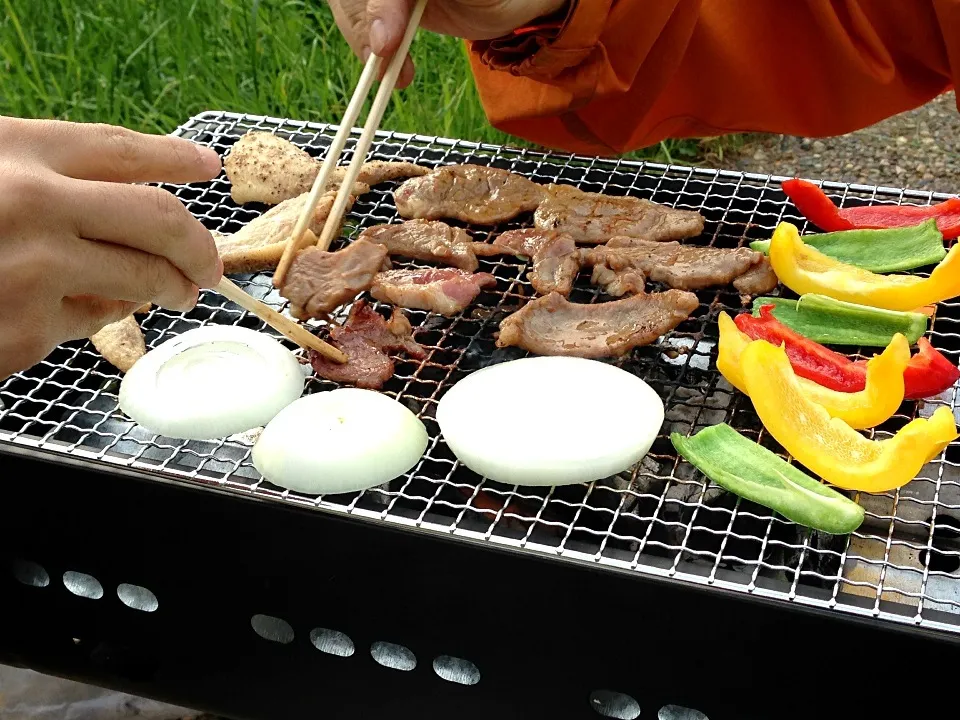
663 518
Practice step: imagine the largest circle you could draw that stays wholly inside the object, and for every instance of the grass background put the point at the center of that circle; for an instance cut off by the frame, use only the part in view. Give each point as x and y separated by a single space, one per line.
150 64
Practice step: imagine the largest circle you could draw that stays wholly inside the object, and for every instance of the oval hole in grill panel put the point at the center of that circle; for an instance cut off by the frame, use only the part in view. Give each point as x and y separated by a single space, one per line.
272 628
393 656
614 704
332 642
137 597
456 670
30 573
677 712
83 585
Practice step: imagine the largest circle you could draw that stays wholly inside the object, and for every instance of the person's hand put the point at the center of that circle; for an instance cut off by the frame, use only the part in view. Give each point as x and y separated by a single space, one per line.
80 246
378 25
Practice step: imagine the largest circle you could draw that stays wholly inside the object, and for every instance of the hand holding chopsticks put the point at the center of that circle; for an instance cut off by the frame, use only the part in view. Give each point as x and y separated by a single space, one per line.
360 151
287 327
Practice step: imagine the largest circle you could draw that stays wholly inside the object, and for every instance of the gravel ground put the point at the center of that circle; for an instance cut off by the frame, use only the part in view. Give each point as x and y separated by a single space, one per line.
917 149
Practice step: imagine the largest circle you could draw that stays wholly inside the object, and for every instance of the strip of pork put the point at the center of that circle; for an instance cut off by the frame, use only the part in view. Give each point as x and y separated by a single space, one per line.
365 338
472 193
259 244
684 267
446 291
552 325
429 240
265 168
594 217
758 280
319 281
121 343
556 260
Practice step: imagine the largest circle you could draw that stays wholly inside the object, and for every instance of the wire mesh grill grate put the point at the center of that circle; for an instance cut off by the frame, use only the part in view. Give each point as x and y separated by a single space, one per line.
663 518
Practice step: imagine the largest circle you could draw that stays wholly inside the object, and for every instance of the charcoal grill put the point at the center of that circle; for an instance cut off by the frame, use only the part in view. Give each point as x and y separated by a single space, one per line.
172 570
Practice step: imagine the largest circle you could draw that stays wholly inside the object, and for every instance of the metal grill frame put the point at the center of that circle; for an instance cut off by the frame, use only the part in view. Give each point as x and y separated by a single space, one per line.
554 526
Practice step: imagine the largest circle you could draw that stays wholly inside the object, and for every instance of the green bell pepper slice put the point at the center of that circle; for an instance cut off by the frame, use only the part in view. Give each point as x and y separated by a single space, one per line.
752 472
879 251
828 321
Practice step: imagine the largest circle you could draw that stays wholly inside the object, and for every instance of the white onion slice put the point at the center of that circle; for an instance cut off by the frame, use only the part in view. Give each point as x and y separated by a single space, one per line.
550 420
339 441
211 382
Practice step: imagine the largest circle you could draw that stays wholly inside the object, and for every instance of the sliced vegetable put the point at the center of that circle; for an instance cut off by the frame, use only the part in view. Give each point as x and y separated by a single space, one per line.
879 251
211 382
928 373
877 402
339 441
825 320
805 269
503 447
820 210
749 470
828 446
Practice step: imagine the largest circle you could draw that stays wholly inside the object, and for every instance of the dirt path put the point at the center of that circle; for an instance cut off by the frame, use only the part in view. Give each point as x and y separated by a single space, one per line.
917 149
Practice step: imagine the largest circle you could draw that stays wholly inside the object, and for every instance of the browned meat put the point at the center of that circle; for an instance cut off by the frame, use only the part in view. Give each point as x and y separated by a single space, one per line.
757 280
594 218
260 243
265 168
365 339
318 281
552 325
426 240
617 283
685 267
472 193
556 260
446 291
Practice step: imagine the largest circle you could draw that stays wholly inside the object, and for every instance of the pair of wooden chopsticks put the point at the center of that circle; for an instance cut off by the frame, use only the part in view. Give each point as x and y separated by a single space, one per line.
370 71
278 322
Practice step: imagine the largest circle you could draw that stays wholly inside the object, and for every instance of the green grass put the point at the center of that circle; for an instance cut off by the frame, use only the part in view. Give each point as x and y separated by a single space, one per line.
150 64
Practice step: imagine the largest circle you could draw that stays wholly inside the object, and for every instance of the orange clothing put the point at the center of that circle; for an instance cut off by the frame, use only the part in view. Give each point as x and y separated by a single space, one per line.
625 74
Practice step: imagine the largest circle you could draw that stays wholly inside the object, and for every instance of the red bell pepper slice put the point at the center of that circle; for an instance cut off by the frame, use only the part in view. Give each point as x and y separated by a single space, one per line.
929 373
819 209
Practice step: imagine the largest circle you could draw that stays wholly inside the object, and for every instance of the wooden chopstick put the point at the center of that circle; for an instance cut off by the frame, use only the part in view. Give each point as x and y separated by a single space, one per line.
370 128
330 161
284 325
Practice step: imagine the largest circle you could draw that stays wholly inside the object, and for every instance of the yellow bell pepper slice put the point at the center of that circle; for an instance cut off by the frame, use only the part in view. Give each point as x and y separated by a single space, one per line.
828 446
877 402
804 269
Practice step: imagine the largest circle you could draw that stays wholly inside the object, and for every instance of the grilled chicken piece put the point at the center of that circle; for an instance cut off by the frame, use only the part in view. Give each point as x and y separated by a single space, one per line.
594 218
471 193
684 267
446 291
429 240
319 281
259 244
121 343
556 260
758 280
365 339
265 168
552 325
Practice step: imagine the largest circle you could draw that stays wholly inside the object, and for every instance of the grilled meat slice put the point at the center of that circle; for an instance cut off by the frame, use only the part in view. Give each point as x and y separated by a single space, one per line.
617 283
471 193
758 280
446 291
365 339
265 168
259 244
319 281
552 325
556 260
684 267
121 343
429 240
594 218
